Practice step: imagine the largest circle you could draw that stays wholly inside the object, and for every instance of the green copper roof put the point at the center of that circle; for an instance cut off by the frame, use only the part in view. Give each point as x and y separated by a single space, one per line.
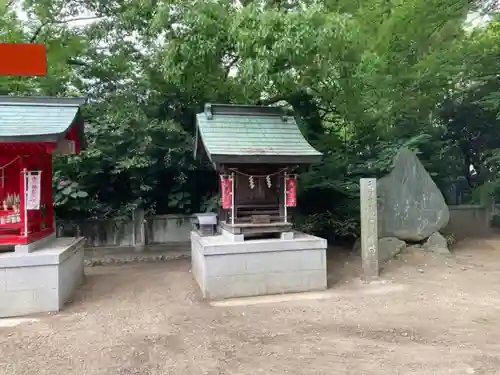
37 119
251 134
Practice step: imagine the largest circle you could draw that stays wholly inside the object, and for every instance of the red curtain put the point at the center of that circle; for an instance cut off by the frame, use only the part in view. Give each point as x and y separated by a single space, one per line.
291 192
226 191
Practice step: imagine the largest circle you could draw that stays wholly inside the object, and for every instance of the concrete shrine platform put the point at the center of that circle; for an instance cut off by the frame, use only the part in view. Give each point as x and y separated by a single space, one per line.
41 280
226 268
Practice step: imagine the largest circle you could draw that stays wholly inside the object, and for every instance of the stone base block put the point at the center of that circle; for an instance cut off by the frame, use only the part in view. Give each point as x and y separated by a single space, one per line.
227 269
30 247
43 280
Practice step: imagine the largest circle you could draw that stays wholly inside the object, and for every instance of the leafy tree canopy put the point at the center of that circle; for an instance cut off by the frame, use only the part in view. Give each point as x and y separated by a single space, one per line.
362 77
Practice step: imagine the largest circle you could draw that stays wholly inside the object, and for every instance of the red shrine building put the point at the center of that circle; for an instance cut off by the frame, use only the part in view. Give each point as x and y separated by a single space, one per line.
43 272
32 130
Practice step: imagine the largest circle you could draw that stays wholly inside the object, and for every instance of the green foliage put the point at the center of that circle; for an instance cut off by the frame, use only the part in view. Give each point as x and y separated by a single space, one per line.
337 198
328 225
67 192
363 79
211 203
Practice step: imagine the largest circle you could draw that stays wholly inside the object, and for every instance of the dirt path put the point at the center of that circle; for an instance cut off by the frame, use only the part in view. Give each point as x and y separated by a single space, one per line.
434 316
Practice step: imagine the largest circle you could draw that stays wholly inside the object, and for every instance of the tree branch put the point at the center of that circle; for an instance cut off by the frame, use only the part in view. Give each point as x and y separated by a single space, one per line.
102 76
9 4
272 100
54 22
72 61
79 19
231 64
37 31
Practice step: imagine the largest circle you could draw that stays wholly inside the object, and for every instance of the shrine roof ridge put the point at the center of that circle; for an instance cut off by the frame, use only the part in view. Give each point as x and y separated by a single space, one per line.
243 110
42 100
251 134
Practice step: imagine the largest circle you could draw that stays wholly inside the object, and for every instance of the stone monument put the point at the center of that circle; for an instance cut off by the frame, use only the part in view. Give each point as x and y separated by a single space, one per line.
369 237
404 208
411 207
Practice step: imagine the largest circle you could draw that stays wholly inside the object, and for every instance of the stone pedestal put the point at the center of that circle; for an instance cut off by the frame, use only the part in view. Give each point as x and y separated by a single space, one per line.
41 280
224 268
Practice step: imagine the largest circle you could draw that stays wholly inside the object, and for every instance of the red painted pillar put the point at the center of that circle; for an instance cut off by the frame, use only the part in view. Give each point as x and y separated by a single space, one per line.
22 196
48 201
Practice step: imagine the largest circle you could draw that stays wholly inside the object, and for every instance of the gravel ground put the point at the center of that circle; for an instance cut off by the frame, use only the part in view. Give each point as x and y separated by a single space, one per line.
434 315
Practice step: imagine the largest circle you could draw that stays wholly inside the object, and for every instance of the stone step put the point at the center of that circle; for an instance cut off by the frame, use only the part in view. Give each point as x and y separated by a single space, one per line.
120 255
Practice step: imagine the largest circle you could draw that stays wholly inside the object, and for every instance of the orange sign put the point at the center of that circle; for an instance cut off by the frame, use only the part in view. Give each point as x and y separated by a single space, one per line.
22 59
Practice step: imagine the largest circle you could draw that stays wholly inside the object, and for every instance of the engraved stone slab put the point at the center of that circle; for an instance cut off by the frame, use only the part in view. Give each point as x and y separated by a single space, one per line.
369 232
410 205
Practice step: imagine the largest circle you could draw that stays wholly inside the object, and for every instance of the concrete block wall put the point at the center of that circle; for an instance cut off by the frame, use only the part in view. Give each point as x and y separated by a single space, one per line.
197 261
71 275
469 221
465 221
250 268
41 281
28 290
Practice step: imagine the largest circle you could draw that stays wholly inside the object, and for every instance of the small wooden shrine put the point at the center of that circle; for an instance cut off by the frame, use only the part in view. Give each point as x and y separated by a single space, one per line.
32 129
256 150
